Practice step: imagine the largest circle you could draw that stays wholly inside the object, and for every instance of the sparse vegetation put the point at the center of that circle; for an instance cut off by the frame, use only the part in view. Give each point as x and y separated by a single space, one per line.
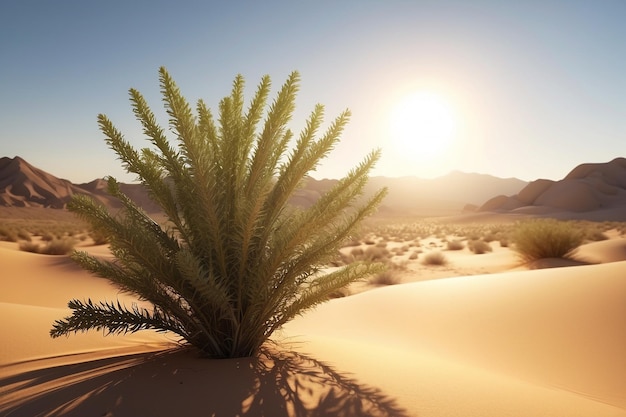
235 262
479 247
388 277
455 244
7 234
55 246
29 246
62 246
546 238
434 258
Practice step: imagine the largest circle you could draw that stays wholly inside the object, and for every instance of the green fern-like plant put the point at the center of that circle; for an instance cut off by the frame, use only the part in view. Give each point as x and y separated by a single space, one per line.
234 261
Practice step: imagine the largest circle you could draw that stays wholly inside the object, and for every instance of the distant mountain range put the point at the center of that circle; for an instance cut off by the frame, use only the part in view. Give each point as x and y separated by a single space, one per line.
23 185
590 191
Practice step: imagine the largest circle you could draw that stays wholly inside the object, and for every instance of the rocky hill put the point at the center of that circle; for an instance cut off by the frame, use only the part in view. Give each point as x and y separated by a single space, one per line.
24 185
594 191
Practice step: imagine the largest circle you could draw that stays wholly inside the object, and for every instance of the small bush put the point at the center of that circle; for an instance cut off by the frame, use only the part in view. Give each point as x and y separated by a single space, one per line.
29 246
388 277
434 258
479 247
376 253
98 237
546 238
56 246
24 235
61 246
455 245
413 255
8 235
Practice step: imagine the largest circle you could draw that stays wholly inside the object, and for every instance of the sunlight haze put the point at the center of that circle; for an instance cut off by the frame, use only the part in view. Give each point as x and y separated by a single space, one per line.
513 89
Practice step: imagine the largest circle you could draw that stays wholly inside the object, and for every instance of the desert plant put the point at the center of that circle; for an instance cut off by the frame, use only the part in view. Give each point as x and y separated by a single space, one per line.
546 238
434 258
455 245
376 254
479 247
388 277
24 235
29 246
238 261
8 234
59 246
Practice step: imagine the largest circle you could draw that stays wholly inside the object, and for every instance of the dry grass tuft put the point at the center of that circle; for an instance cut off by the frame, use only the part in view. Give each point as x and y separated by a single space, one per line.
455 245
434 258
479 246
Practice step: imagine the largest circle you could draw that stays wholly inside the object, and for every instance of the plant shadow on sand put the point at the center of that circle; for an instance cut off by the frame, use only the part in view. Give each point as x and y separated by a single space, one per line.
177 382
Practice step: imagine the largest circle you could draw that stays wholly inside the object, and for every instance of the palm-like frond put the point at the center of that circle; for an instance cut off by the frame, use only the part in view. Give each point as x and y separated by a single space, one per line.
236 263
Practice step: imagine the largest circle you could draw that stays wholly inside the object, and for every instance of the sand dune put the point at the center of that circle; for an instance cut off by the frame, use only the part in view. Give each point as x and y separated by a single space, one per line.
517 343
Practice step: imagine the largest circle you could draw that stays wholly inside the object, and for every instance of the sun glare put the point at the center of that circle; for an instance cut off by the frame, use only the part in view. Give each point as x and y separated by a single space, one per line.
422 124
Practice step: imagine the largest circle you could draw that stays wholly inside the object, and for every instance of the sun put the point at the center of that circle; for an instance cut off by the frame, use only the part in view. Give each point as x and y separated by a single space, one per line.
422 125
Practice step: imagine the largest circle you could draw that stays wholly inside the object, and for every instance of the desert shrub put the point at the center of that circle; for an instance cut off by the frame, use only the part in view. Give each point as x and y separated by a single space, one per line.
24 235
376 254
237 261
546 238
98 236
479 246
504 242
47 236
8 234
434 258
413 255
58 246
455 245
389 277
489 237
29 246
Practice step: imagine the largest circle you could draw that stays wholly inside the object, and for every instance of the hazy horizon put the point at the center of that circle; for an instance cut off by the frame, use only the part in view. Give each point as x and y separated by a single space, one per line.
511 90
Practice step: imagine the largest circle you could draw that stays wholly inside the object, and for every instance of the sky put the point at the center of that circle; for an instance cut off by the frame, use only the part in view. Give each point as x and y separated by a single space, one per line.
529 89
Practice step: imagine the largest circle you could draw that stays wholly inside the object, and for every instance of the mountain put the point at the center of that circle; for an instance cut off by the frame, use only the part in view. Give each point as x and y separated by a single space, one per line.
24 185
448 194
594 191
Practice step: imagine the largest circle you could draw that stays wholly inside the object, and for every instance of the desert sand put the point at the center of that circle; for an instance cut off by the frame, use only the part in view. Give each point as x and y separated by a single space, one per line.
482 336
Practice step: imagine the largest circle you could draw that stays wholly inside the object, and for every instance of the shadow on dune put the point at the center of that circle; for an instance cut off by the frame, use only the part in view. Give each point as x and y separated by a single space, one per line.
546 263
177 382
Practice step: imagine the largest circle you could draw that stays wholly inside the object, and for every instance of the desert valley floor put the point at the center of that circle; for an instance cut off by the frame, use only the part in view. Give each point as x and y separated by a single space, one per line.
482 335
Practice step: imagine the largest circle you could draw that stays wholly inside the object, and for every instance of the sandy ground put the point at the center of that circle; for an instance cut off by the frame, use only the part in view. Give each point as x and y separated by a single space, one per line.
480 336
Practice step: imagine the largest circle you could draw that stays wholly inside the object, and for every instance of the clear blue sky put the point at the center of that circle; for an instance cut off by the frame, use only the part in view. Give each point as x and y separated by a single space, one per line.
535 87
